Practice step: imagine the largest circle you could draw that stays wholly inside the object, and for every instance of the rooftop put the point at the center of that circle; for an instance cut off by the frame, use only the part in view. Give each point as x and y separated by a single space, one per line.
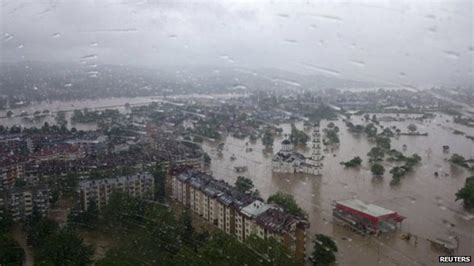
255 208
361 206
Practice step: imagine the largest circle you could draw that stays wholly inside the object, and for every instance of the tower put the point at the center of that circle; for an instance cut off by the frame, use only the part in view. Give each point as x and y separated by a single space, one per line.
316 158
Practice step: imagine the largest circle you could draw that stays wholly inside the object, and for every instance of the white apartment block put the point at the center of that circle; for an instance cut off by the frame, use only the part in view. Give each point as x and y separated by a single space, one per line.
139 185
237 213
20 202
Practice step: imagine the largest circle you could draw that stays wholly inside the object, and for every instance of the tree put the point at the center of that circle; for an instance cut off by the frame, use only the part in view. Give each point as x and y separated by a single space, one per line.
65 248
467 193
458 159
356 161
297 136
324 248
383 142
287 202
6 221
370 130
412 127
160 183
376 154
11 253
377 169
244 184
87 219
38 231
186 222
9 113
267 139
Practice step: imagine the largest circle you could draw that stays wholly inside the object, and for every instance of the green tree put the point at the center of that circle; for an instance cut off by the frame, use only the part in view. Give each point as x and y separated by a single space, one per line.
186 223
356 161
11 253
6 221
38 231
370 130
324 249
274 252
377 169
287 202
267 139
458 159
376 154
467 193
159 175
383 142
87 219
243 184
64 248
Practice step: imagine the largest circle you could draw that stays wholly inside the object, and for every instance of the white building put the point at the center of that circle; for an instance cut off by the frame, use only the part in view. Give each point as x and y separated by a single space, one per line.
139 185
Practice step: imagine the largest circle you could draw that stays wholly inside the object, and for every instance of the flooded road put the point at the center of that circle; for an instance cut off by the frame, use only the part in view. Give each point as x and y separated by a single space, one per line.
427 201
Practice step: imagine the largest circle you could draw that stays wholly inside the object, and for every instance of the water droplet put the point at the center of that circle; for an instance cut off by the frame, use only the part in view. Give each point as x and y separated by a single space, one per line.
323 69
402 74
358 62
67 85
20 46
94 44
452 54
283 15
35 88
89 57
56 35
328 17
433 29
172 36
8 37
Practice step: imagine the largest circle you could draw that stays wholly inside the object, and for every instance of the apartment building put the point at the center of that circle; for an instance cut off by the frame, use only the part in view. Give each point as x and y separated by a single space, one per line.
20 202
139 185
237 213
9 173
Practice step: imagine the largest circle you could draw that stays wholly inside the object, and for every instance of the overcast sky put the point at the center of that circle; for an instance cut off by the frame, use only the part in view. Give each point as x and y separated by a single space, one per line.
401 42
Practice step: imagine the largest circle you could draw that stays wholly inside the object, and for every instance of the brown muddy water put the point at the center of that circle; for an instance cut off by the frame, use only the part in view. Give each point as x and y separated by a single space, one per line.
427 201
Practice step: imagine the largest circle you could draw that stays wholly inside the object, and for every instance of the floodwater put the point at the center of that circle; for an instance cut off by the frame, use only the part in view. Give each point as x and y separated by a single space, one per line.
104 103
427 201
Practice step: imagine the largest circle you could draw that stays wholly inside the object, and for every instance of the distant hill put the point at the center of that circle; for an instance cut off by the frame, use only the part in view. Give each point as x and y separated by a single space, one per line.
38 81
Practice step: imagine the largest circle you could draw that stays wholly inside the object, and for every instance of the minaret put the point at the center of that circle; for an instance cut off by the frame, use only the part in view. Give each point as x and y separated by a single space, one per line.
316 158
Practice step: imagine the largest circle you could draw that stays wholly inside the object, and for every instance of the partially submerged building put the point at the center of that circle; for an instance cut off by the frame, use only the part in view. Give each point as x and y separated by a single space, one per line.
239 214
366 218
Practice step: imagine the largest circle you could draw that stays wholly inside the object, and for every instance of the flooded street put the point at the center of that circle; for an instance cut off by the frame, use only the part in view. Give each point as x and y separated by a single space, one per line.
427 201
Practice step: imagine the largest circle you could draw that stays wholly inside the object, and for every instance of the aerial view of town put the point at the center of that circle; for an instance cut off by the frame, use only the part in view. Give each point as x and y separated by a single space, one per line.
236 158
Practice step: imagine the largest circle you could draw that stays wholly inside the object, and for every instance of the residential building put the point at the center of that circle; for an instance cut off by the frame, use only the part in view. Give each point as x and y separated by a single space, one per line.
99 190
20 202
238 214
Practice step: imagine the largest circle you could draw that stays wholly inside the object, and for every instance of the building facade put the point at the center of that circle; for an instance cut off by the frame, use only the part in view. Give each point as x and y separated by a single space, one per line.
20 202
238 214
139 185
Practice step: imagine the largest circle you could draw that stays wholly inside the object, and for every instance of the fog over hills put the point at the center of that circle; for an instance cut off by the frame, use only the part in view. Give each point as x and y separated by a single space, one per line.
37 81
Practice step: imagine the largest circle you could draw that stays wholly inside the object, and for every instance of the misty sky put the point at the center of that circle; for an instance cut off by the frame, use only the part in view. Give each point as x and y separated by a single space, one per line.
421 43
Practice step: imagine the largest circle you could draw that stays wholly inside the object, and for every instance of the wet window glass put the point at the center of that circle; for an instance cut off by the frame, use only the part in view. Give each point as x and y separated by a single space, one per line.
236 132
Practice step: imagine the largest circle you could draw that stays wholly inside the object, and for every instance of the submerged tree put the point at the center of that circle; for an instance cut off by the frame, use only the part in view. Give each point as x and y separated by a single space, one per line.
467 193
377 169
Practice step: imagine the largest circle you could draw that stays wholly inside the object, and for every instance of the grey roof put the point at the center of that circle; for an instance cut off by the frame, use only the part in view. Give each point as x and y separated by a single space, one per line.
255 208
361 206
